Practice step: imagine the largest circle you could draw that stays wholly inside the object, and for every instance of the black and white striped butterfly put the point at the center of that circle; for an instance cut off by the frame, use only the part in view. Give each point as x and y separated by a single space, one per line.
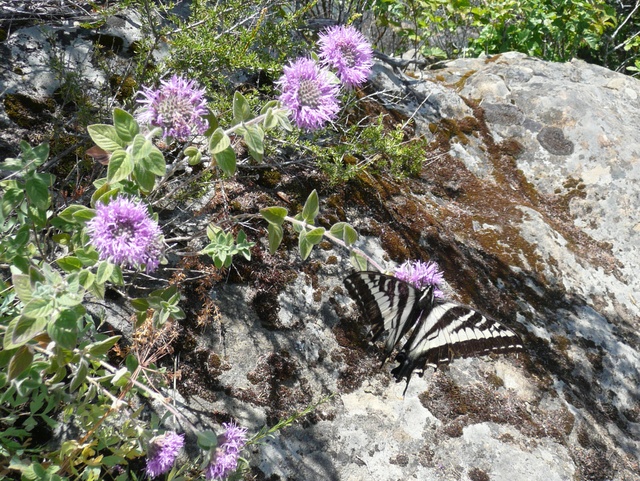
438 331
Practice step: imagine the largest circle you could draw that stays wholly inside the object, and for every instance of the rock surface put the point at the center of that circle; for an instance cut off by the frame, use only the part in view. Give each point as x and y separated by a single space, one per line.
528 201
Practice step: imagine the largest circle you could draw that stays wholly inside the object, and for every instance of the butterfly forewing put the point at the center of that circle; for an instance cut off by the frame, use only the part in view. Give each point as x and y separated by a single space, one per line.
388 305
440 331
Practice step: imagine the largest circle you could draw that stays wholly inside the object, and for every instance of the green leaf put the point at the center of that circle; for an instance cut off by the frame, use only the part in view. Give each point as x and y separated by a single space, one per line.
311 208
254 138
120 166
121 377
116 277
88 256
70 263
86 278
131 362
140 304
314 236
21 330
207 440
20 361
140 148
22 286
105 269
219 141
275 237
80 376
61 238
38 307
270 121
285 124
241 108
270 105
304 245
193 154
99 349
345 232
358 261
226 160
64 330
125 125
37 188
145 179
68 213
274 215
105 137
154 161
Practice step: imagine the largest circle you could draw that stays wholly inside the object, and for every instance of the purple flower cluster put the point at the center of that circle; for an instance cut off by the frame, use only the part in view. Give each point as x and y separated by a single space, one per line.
308 90
177 106
123 233
162 453
348 52
224 460
421 274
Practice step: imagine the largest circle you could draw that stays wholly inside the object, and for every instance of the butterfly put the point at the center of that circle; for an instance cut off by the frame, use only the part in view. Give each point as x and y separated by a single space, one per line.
436 331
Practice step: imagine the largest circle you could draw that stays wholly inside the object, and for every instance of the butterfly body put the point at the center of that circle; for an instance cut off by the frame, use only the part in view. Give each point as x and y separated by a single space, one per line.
436 331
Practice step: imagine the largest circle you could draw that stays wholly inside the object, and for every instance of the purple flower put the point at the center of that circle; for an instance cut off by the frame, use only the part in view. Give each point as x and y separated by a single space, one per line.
309 93
348 51
124 233
224 459
177 106
162 452
421 274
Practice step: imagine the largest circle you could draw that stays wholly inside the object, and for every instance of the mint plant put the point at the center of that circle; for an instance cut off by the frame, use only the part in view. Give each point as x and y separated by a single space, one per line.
54 365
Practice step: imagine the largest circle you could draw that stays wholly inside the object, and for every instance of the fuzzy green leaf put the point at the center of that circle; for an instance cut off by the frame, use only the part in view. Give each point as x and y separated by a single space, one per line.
304 245
207 440
140 148
120 166
314 236
105 269
102 347
254 138
38 307
226 160
37 188
80 375
270 121
241 108
64 330
219 141
274 215
345 232
22 286
70 263
125 125
20 361
145 179
77 213
21 330
358 261
275 237
105 137
311 208
270 105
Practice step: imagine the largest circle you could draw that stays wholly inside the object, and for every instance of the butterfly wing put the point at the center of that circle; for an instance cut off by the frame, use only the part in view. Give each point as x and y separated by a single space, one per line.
387 304
449 331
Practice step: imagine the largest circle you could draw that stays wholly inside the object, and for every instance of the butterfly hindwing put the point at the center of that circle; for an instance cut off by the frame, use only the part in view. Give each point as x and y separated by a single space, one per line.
438 331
